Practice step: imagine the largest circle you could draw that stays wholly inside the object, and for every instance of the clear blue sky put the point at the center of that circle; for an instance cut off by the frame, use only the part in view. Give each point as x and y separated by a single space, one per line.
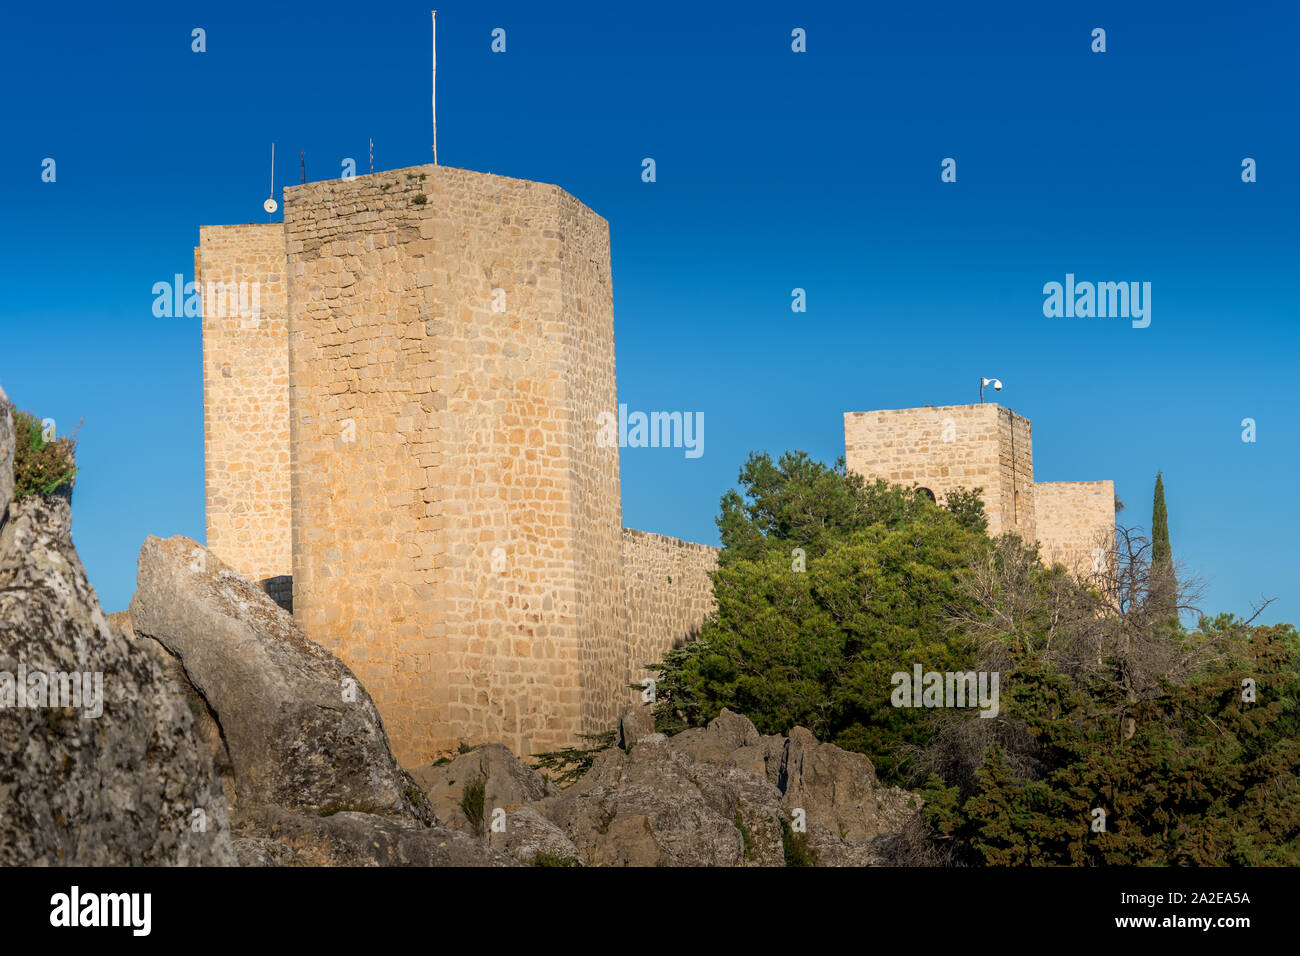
776 170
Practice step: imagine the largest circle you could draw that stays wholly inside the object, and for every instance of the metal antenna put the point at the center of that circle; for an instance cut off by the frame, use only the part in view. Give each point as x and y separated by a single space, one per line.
372 154
271 205
302 158
434 89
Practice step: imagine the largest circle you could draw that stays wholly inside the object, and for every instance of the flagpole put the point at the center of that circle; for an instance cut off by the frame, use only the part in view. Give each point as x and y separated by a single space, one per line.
434 91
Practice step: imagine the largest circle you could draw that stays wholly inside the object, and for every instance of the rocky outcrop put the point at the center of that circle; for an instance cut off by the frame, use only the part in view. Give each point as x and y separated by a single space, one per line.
839 793
206 728
301 732
634 724
313 777
721 795
724 795
657 806
131 786
347 838
504 781
524 834
483 793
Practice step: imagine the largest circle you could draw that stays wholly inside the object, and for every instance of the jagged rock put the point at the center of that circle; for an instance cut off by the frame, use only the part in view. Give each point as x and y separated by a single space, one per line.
656 806
273 836
119 789
716 743
528 834
261 851
301 731
507 782
718 796
634 724
838 790
6 454
206 728
730 740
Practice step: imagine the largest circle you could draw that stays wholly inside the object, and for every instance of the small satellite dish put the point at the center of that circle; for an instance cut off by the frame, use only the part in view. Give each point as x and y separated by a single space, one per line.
270 205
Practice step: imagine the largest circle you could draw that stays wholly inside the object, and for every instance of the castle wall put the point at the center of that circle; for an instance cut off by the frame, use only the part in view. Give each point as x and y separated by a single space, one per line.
596 505
460 546
246 401
669 594
1016 475
949 446
1074 519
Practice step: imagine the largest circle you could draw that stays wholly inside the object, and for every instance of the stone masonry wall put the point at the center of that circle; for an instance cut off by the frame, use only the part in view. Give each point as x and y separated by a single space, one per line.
669 594
596 494
1016 475
457 537
246 400
948 446
1074 519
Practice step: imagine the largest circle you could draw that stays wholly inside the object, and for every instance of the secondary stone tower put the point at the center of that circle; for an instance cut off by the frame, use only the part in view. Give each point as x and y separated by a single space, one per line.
985 446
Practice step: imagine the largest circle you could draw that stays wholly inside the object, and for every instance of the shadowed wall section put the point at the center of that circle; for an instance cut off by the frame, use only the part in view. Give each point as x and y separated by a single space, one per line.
241 271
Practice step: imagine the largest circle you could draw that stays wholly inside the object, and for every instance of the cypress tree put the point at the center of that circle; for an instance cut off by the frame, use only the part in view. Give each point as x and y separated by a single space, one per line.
1163 585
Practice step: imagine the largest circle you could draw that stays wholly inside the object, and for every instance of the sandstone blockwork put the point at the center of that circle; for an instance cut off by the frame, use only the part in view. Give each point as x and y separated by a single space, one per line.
668 590
456 529
990 447
241 272
1076 524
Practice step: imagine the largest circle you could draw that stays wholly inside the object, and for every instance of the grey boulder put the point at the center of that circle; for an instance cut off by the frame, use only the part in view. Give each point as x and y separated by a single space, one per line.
132 786
300 730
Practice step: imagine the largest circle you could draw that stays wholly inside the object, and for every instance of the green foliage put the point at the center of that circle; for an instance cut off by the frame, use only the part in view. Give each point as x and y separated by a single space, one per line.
798 851
41 467
1161 554
828 585
471 802
968 508
1206 779
552 859
745 835
797 502
815 647
1163 585
570 763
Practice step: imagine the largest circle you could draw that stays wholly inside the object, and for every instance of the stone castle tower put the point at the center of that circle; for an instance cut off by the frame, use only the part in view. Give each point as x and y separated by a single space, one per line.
402 388
985 446
400 441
